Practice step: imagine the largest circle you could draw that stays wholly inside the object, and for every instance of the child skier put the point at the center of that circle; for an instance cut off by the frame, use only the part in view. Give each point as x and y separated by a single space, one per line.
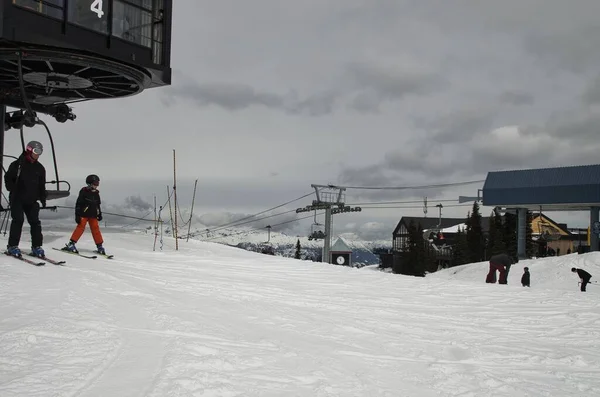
87 209
526 278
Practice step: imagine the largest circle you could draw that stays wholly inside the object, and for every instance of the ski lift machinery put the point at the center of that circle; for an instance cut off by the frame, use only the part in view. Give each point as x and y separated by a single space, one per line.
51 57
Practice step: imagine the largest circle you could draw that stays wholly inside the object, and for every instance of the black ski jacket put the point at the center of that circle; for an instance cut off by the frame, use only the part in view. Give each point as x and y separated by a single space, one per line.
88 203
583 274
26 181
501 259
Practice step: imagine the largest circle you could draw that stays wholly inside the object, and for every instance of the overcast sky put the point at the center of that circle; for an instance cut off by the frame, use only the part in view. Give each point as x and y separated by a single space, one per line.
269 96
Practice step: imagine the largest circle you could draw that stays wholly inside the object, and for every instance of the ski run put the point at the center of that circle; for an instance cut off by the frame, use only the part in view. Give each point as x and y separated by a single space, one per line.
212 320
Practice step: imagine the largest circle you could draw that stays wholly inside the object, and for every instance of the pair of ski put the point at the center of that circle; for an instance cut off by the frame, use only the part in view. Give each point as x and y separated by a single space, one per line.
35 263
83 255
45 259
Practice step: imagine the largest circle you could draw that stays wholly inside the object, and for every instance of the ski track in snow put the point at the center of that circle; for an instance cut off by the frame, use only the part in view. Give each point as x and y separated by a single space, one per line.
218 321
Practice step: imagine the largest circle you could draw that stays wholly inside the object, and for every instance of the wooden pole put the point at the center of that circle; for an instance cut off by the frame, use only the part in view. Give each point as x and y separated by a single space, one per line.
175 198
170 210
155 225
192 211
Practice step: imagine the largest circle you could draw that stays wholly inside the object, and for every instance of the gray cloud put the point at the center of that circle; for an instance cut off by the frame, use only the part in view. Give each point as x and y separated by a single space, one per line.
591 96
458 126
137 203
579 127
366 86
517 98
568 49
217 219
372 175
235 97
377 84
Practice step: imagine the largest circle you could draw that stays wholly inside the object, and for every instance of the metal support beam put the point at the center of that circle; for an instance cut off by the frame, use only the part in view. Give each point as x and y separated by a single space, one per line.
332 203
522 233
594 218
2 132
327 240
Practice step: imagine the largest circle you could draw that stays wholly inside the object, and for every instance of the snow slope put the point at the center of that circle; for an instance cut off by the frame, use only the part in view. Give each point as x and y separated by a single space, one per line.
212 320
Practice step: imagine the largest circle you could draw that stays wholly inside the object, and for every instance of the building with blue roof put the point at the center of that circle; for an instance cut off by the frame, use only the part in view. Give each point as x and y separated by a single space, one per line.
573 188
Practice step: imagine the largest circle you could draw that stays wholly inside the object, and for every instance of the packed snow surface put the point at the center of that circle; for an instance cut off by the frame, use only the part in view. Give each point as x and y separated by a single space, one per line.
212 320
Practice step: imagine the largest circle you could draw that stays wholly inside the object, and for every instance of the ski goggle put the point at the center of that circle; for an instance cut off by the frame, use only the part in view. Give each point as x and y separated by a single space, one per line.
35 150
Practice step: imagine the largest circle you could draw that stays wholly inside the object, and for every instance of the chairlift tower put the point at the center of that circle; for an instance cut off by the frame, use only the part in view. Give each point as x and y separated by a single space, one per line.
57 53
331 199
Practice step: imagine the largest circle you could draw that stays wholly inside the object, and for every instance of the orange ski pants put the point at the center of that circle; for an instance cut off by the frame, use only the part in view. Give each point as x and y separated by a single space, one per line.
94 227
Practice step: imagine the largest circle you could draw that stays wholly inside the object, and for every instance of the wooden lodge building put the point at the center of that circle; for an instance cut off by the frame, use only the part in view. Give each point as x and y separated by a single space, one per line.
553 238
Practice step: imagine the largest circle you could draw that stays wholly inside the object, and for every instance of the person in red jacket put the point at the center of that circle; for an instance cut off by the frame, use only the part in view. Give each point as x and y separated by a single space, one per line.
87 210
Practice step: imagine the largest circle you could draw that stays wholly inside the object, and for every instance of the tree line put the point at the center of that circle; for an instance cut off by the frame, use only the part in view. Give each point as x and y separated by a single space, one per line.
471 243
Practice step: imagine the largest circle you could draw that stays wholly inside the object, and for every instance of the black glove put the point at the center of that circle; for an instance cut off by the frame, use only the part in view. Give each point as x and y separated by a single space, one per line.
77 219
43 203
99 217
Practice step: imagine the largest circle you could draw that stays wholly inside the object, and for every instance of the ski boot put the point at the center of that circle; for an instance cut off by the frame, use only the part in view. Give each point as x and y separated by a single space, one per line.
38 251
100 249
70 246
14 251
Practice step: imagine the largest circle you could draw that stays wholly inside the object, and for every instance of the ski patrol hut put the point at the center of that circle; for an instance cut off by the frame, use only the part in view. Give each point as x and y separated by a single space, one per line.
341 253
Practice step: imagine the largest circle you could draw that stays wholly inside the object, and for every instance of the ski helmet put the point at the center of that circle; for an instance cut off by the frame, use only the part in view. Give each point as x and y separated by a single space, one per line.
92 179
34 147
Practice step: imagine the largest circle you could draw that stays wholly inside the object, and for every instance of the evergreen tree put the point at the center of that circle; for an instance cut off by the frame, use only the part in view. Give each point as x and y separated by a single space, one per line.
531 246
424 257
495 240
460 249
475 238
411 255
298 248
510 234
418 256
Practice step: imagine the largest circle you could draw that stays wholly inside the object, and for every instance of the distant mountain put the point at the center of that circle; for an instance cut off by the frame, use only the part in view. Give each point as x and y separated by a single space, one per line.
364 253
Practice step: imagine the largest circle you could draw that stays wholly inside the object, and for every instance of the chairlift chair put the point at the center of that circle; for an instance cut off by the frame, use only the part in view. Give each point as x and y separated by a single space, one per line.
316 230
57 193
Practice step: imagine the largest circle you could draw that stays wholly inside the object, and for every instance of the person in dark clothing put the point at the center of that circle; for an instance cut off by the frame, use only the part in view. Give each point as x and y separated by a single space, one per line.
526 277
501 263
584 276
25 179
87 210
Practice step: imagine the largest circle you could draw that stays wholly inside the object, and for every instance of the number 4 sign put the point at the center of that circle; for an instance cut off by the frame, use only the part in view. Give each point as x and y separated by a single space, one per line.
97 8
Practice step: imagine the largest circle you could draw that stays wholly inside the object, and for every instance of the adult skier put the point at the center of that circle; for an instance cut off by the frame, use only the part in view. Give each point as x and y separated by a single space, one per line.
25 179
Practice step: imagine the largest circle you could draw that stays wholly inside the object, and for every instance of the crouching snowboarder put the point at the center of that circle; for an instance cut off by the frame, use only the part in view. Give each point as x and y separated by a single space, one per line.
584 276
501 263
